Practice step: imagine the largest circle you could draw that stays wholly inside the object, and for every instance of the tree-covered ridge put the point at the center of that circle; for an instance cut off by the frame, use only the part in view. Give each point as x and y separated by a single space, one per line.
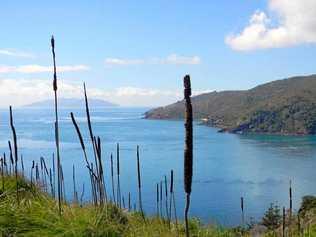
284 106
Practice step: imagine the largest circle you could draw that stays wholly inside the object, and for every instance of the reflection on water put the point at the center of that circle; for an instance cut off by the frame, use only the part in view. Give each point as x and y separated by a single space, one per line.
226 166
291 146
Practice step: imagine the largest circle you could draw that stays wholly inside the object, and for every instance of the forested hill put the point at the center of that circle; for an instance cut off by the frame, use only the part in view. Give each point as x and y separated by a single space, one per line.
285 106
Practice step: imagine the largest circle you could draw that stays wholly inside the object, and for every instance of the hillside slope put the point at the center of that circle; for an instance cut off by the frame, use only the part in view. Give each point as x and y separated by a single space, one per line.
284 106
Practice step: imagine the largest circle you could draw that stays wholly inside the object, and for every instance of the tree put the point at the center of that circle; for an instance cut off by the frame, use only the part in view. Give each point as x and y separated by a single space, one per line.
272 217
308 203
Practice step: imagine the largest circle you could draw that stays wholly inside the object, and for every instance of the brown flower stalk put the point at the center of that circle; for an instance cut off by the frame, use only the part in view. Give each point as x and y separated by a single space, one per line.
112 179
15 146
56 128
139 184
188 150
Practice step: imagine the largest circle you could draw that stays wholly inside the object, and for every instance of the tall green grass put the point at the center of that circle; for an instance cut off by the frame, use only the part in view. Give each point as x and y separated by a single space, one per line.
38 215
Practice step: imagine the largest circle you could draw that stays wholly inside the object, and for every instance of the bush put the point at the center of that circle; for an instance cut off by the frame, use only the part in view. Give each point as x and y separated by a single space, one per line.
308 203
272 217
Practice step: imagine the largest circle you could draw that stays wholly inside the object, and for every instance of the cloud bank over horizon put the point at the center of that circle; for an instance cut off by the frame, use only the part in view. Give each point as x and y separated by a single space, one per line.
19 92
172 59
35 68
285 23
16 53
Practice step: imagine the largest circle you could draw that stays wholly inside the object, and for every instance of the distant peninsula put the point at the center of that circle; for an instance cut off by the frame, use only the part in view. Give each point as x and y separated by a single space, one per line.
286 107
71 103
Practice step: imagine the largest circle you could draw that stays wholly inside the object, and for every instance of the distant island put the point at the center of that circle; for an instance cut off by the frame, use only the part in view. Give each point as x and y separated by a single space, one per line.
71 103
286 107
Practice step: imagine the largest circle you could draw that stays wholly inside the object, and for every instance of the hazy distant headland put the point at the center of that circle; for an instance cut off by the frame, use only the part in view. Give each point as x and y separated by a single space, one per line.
285 106
71 103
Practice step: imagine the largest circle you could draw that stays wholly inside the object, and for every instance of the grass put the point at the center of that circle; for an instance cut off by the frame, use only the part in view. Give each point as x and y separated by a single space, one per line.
37 214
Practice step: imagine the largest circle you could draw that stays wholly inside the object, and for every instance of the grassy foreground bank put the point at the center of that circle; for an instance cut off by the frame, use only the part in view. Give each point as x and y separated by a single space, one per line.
35 213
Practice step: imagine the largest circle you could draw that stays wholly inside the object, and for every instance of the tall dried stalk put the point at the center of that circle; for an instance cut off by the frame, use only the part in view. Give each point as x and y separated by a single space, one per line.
242 212
123 201
63 188
11 157
2 173
75 194
22 166
291 208
82 194
5 163
172 198
166 199
112 179
96 143
54 177
283 222
139 184
161 213
37 175
188 150
33 165
44 172
15 145
101 183
129 201
118 195
171 192
157 193
299 224
93 182
90 126
56 128
83 147
51 182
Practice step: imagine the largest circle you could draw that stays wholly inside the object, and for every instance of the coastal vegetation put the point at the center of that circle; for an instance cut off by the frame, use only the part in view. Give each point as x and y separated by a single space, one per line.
37 214
280 107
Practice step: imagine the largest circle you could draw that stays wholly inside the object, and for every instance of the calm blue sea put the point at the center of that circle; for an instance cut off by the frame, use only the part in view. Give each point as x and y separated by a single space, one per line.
226 166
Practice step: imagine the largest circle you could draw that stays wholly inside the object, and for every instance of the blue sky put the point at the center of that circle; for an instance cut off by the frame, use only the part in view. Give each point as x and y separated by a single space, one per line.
137 52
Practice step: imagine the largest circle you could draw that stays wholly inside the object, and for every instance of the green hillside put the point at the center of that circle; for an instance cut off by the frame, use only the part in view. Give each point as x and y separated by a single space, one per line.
284 107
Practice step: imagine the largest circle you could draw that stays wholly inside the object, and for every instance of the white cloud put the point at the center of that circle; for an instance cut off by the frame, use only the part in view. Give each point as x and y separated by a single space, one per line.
24 91
19 92
34 68
295 24
176 59
16 53
171 59
120 61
